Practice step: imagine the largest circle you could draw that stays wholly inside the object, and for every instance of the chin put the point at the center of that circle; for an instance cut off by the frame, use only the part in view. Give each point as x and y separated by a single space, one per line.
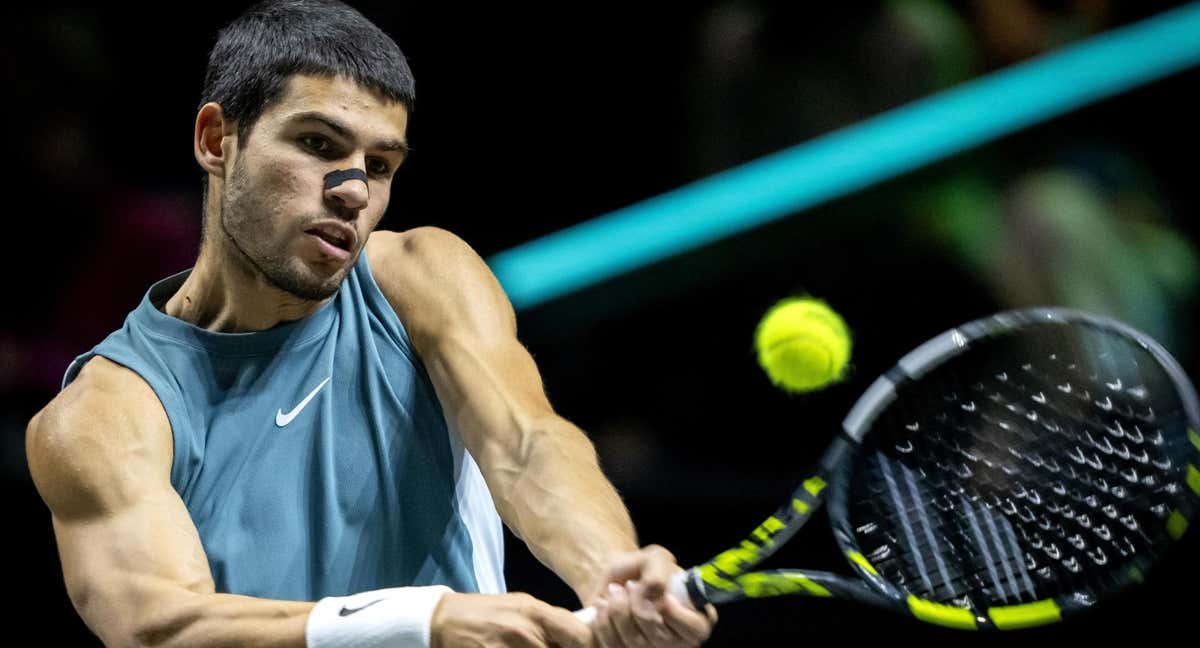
312 282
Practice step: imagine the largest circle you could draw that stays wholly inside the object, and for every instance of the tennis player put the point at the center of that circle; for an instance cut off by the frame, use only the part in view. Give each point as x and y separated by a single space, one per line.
311 436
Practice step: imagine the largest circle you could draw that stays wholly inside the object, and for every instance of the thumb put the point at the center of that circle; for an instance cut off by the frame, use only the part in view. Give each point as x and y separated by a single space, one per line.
652 567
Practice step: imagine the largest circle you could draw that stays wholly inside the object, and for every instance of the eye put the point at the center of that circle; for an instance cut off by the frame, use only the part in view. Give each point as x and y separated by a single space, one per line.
378 167
315 144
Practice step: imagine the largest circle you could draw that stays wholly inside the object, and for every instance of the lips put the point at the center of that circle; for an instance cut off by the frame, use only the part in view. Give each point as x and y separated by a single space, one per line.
335 234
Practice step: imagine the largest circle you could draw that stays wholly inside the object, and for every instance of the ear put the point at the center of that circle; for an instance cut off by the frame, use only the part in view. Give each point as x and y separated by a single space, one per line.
212 129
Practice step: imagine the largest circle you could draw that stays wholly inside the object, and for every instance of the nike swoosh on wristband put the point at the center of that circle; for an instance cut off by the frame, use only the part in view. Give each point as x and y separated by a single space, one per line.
282 419
345 611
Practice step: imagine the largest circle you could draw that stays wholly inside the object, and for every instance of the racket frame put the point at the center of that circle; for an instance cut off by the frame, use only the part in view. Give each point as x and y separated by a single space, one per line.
728 577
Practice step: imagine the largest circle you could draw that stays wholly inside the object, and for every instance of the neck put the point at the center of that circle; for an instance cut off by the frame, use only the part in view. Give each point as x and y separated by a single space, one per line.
225 293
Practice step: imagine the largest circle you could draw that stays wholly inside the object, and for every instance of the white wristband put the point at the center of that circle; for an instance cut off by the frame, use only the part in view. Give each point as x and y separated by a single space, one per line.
397 618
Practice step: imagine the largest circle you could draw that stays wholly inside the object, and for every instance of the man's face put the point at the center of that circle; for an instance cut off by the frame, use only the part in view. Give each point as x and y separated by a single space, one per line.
275 208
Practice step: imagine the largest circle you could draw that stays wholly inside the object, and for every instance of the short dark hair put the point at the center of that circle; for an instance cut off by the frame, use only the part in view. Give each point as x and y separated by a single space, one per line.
257 53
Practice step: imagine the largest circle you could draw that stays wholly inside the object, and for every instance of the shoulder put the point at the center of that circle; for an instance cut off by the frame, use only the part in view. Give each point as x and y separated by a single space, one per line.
437 283
107 422
422 249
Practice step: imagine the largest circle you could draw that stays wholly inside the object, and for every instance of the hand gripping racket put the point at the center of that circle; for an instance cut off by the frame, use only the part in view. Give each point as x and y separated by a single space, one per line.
1005 474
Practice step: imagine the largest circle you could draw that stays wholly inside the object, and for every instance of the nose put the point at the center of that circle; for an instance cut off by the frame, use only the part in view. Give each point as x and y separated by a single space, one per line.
347 189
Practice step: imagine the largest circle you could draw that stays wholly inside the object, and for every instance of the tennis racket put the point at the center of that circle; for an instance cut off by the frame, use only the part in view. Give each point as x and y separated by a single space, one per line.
1006 474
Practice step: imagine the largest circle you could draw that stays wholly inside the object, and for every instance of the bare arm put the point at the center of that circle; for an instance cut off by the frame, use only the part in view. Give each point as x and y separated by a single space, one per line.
541 469
100 455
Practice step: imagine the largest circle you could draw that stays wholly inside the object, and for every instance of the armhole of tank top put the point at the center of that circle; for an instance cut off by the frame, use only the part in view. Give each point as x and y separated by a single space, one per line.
379 302
172 405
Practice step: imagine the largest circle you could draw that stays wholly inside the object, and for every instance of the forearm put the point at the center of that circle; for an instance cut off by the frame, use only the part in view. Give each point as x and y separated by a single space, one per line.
541 469
564 508
189 620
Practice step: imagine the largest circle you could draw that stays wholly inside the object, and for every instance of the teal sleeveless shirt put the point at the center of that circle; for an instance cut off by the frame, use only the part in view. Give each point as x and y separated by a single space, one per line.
314 457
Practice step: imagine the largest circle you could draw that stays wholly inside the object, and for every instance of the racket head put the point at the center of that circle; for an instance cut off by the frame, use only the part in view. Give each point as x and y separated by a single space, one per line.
1018 469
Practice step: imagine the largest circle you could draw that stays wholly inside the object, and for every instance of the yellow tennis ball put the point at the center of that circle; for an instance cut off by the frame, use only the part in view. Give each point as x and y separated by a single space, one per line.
802 344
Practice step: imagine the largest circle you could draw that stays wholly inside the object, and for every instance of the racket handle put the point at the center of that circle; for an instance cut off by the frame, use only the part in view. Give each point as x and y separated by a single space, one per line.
587 615
676 587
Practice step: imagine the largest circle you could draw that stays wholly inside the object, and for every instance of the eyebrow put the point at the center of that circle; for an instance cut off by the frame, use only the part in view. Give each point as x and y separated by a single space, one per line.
383 145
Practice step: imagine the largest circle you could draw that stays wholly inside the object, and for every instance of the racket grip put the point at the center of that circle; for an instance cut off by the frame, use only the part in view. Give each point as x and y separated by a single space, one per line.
676 587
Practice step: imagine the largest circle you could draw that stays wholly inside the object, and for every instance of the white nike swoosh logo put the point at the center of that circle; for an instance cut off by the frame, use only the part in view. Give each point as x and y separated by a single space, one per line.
282 419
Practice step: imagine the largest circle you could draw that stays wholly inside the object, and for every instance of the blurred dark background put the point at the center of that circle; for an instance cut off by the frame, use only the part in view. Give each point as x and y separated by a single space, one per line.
530 119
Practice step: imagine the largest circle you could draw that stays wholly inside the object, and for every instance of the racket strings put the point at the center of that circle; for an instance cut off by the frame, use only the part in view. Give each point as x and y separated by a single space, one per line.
979 508
950 561
1110 421
1143 477
1131 475
1032 482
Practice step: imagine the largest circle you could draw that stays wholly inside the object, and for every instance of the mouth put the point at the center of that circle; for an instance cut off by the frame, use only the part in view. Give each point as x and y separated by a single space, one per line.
334 235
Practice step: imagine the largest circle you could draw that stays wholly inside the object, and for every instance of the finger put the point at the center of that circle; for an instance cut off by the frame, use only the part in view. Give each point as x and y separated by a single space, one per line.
626 566
649 620
693 626
524 633
626 626
658 565
563 628
602 628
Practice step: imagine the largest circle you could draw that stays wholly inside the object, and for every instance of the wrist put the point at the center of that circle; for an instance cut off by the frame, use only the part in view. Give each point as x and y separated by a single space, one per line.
599 573
438 618
399 617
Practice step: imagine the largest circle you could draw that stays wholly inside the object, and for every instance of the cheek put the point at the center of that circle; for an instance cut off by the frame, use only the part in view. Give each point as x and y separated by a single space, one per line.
374 212
379 202
284 182
281 193
259 202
